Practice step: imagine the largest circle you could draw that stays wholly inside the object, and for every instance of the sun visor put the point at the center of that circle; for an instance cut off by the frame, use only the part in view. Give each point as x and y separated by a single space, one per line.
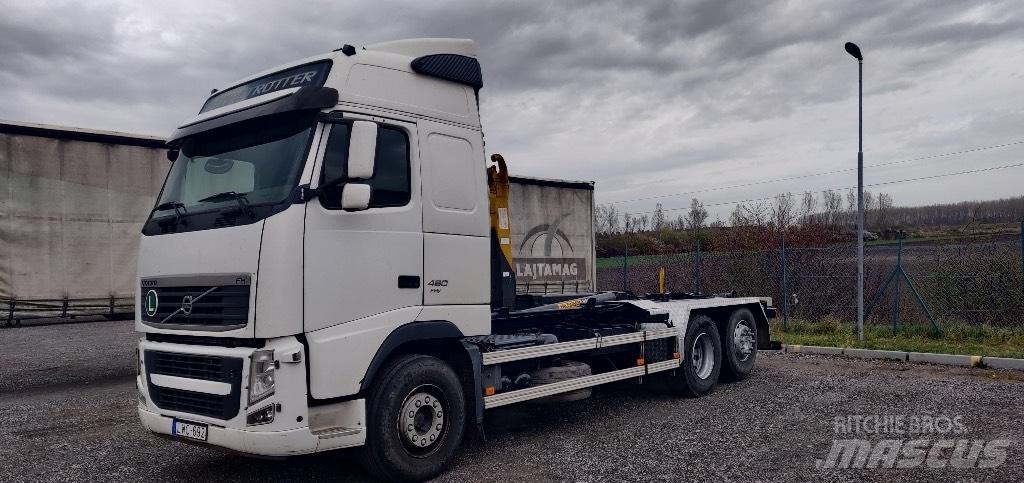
304 98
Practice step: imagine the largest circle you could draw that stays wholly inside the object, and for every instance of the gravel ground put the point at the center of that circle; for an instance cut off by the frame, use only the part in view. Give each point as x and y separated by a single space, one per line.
72 353
68 399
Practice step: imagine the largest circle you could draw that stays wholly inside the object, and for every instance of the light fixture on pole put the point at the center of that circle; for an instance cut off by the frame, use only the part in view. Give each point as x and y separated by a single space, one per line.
853 50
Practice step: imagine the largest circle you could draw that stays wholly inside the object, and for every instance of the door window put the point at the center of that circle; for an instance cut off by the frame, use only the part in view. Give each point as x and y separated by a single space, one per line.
390 184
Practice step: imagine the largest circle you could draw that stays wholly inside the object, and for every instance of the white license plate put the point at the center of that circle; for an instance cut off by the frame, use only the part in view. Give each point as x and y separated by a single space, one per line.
186 429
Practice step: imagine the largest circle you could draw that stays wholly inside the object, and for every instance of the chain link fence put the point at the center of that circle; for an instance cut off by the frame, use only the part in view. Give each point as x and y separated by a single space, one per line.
971 280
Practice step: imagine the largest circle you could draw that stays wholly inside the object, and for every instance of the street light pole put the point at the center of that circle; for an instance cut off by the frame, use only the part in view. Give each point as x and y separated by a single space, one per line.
853 50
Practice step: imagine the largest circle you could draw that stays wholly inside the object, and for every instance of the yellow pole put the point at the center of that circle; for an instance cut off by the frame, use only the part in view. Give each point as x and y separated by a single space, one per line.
661 280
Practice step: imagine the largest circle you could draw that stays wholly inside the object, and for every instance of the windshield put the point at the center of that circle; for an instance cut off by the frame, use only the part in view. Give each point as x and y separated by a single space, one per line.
249 164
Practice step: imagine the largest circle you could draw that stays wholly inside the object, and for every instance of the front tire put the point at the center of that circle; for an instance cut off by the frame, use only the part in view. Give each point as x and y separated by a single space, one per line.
416 415
740 339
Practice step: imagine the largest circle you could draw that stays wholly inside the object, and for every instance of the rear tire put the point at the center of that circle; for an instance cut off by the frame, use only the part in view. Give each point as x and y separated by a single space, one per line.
702 360
740 341
416 416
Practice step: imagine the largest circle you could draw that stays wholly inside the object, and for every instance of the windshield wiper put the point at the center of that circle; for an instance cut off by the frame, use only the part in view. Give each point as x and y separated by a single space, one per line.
177 206
243 202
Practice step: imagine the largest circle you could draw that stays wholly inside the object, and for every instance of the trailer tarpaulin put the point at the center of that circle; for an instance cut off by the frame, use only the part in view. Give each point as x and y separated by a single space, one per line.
72 204
552 235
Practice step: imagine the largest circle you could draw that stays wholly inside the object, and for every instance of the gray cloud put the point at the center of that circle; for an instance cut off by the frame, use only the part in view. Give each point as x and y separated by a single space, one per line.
645 97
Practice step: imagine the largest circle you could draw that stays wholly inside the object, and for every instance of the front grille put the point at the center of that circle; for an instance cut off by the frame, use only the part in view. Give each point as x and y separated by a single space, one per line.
190 402
193 366
209 307
207 368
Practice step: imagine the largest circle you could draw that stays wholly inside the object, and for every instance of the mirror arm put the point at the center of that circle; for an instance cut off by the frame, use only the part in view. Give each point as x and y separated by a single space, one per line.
304 193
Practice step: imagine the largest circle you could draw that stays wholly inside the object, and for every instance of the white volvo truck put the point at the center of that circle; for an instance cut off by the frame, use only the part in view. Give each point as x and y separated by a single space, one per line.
328 266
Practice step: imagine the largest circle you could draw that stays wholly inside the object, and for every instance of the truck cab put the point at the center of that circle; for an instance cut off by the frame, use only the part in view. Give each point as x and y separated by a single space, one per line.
319 271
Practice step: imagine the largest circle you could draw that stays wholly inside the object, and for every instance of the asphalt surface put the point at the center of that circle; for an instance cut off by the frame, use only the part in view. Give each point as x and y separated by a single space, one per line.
67 397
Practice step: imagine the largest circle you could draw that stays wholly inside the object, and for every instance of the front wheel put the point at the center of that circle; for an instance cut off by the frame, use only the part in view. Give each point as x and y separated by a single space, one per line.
416 414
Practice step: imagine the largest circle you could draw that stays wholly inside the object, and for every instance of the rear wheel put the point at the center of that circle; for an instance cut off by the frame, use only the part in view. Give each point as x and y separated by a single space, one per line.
416 415
701 363
740 345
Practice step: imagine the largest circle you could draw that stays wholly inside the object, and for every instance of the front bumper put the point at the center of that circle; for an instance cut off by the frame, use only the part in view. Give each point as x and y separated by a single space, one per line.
260 443
290 432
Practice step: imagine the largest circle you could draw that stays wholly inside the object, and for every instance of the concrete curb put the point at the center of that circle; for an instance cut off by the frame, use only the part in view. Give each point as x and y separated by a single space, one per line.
945 359
876 354
813 349
1003 363
921 357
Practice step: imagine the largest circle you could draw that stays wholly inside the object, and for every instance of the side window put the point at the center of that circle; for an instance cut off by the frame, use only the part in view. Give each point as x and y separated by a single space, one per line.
390 185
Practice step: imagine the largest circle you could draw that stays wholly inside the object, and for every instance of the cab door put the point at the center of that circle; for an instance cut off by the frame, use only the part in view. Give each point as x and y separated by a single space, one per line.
362 263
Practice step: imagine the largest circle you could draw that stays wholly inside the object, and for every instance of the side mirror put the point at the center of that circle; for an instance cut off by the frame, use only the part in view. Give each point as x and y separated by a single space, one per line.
362 149
355 197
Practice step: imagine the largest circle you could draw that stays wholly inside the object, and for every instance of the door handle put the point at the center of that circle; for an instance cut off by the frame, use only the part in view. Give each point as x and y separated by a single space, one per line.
408 281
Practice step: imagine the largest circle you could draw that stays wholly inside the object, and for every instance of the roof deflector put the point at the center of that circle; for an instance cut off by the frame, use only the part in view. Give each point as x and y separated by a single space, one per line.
452 67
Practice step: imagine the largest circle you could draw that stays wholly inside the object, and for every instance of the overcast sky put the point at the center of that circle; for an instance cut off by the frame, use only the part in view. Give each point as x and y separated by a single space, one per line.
649 99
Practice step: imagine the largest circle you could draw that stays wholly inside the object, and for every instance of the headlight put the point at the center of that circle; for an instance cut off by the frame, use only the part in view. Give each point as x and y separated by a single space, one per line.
261 375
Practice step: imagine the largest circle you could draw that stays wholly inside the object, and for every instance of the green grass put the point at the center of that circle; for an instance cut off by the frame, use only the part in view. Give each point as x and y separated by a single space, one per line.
639 260
980 340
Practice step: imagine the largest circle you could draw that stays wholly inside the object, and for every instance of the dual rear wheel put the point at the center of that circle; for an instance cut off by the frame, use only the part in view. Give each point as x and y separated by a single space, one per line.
711 351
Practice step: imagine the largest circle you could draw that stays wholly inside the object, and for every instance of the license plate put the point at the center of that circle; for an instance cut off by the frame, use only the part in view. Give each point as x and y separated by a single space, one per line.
190 430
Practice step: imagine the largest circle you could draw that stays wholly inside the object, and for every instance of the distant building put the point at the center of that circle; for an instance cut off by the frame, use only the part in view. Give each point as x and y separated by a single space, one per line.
72 202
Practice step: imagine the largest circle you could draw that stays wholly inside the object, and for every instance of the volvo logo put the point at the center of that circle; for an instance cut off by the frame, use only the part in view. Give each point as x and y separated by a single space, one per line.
152 302
186 305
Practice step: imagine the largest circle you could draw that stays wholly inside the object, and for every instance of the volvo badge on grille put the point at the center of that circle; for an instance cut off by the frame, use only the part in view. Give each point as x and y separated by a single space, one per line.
186 305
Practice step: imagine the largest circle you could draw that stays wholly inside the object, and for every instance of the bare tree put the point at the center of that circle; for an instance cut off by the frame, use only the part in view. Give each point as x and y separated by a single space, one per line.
600 222
658 218
851 207
680 223
628 223
833 207
869 204
606 219
808 208
613 219
696 217
884 207
783 213
756 213
738 217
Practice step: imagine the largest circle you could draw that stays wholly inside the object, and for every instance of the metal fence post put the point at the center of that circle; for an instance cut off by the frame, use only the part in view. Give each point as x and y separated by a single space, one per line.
896 291
625 267
785 283
696 269
1022 254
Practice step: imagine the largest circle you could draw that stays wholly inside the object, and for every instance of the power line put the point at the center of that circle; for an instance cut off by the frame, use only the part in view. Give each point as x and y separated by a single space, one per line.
881 183
812 175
